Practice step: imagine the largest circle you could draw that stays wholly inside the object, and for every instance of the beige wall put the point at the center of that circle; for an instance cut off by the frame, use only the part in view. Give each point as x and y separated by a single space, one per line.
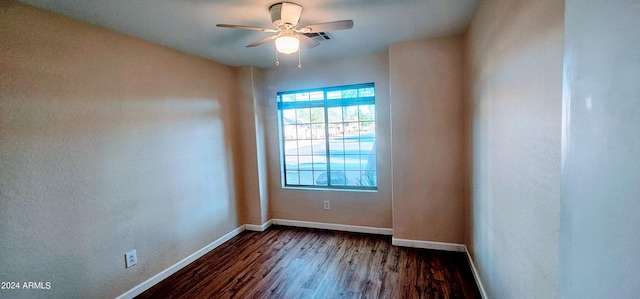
260 113
125 145
515 55
252 182
347 207
427 115
600 237
107 144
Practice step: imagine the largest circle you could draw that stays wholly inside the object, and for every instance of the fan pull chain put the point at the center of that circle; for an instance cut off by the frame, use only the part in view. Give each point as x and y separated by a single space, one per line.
277 61
299 59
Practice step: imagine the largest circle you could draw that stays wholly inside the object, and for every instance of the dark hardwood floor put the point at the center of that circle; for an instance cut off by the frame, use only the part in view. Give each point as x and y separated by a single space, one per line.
285 262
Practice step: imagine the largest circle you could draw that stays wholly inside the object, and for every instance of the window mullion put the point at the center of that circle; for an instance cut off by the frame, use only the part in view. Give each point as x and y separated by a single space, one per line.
326 139
298 150
284 147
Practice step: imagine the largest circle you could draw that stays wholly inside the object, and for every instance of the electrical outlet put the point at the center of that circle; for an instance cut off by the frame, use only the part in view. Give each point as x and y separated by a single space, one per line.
327 205
130 259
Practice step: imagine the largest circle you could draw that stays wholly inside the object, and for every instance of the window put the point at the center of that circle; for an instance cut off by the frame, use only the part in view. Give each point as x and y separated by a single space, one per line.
328 137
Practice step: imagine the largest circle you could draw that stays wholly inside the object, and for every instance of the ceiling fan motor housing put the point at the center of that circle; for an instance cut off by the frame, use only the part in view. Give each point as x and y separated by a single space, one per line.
285 14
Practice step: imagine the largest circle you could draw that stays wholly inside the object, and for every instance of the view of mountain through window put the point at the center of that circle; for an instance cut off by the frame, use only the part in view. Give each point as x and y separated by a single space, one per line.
328 137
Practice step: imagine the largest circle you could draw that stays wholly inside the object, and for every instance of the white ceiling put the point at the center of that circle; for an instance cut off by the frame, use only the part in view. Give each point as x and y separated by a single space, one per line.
190 25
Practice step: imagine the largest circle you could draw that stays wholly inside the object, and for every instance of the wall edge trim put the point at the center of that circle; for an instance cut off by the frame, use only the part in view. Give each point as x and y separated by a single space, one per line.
476 276
147 284
259 228
428 244
333 226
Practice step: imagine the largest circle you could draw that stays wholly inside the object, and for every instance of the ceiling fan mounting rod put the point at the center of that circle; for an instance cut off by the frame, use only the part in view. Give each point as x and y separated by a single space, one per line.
285 14
299 59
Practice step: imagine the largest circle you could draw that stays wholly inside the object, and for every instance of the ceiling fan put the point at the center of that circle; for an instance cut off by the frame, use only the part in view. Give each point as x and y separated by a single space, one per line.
286 17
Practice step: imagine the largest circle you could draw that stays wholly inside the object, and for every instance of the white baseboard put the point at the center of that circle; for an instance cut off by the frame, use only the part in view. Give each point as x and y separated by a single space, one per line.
475 274
386 231
447 247
428 245
331 226
259 228
137 290
147 284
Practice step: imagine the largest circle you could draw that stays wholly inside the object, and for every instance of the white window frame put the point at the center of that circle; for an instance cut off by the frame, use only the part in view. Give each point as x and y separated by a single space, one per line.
336 178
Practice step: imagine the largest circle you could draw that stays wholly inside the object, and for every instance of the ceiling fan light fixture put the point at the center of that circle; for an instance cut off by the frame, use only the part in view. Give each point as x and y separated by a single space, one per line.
287 44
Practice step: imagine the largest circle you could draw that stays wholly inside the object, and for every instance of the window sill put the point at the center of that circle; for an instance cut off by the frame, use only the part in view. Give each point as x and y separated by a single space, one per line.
330 189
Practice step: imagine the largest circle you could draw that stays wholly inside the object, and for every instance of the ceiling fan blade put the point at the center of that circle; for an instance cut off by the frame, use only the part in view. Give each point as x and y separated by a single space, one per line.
247 28
308 42
262 41
328 26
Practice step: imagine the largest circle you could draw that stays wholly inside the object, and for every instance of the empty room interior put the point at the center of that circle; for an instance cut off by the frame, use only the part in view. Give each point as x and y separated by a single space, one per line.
138 136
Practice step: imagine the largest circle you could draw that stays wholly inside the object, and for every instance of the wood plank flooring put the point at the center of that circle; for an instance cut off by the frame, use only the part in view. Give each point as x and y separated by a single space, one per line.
286 262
